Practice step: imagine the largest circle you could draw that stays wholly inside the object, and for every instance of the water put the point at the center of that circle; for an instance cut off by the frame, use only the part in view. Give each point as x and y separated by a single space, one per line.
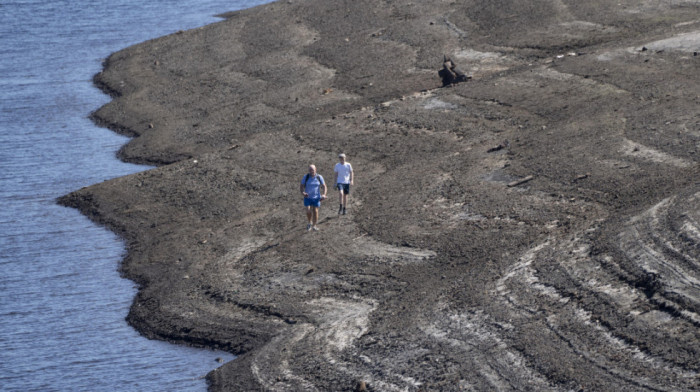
62 302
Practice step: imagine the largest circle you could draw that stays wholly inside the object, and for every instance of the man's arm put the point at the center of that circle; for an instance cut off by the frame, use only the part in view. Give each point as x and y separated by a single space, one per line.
325 189
302 190
352 176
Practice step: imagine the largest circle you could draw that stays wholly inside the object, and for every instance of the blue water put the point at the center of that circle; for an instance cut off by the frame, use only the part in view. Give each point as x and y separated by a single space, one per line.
62 302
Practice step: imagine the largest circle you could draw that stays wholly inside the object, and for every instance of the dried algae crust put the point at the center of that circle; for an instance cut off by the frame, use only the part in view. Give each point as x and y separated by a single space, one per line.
534 228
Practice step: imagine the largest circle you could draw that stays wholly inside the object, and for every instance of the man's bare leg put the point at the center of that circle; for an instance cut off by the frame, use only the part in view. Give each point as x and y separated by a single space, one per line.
314 217
345 202
309 217
340 200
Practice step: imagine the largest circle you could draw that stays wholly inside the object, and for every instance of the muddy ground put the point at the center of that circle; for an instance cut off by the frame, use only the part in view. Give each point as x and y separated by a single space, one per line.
534 228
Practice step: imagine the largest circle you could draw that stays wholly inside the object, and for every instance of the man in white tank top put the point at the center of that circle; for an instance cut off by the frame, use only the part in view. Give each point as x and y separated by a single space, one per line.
344 177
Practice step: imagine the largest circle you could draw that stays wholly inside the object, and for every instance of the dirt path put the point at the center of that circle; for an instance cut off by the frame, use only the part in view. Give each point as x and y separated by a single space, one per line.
534 228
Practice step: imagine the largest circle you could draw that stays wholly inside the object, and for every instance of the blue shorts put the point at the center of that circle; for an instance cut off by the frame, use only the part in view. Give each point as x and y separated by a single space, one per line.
312 202
343 187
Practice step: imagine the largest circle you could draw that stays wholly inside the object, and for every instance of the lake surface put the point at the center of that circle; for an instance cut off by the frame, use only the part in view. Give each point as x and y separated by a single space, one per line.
62 302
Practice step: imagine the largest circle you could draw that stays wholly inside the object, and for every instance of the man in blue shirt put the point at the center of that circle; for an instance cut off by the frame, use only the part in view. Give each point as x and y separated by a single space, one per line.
310 187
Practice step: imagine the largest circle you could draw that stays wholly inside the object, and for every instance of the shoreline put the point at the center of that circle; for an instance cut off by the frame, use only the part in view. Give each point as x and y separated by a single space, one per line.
215 238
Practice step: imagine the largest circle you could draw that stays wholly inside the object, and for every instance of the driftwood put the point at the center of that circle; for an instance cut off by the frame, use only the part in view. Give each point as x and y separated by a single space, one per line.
520 181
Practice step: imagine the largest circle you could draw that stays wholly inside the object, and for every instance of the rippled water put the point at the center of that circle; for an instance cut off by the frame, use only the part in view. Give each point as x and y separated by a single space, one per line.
62 302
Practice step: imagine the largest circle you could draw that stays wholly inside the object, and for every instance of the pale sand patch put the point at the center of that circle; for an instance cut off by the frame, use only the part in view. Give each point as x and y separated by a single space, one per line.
478 63
386 253
436 103
641 151
685 42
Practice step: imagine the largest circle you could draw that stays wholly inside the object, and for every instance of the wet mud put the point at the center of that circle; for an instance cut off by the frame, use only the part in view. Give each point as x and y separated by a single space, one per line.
535 227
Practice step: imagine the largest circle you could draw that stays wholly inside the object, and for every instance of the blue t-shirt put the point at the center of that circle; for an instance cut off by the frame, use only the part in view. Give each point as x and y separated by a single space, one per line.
313 186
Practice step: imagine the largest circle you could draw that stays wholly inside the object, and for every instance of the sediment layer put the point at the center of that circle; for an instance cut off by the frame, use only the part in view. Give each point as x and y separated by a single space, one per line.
533 228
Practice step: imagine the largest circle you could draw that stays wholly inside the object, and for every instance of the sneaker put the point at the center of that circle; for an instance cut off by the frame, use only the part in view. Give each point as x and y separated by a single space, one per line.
315 228
308 227
343 211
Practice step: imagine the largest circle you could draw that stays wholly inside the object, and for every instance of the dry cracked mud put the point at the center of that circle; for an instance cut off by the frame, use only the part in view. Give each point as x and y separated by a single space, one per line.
534 228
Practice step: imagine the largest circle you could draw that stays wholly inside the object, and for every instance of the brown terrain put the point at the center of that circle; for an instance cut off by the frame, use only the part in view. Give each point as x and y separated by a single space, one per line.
536 227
